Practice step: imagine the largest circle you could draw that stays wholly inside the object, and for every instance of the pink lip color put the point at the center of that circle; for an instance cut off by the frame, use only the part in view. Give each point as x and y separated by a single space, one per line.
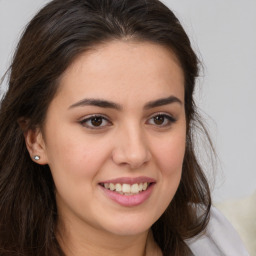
132 200
129 200
130 180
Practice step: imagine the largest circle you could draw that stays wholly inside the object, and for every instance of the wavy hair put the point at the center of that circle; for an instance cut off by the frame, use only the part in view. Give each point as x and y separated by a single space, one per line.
59 33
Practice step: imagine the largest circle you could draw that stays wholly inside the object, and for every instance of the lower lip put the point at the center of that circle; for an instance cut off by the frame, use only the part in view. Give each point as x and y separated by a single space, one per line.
130 200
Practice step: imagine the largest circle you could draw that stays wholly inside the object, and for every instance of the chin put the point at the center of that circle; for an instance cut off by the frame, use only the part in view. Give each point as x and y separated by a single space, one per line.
130 226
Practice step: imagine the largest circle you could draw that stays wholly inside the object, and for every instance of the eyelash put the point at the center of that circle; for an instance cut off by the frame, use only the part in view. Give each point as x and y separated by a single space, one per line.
168 121
90 118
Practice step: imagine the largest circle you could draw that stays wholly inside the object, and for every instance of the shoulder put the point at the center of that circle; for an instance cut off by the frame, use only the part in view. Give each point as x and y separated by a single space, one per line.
241 213
219 239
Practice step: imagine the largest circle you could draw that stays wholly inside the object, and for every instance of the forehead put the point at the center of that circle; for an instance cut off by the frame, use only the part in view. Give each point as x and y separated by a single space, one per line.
124 68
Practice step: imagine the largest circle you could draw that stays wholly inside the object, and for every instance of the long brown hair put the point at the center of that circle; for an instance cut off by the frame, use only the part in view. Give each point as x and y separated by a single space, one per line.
52 40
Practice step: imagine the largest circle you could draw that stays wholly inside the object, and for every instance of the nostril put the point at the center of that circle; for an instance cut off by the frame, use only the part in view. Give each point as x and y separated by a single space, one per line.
131 151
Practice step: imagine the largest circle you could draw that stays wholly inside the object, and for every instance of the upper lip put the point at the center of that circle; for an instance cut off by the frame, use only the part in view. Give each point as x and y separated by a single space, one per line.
130 180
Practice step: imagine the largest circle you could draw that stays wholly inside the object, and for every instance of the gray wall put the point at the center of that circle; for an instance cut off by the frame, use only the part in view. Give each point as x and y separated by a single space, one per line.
223 34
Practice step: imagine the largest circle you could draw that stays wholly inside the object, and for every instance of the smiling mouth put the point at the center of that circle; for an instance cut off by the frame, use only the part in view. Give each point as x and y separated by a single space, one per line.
127 189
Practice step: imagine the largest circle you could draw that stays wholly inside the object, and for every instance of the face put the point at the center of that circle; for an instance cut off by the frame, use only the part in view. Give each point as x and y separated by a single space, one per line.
114 137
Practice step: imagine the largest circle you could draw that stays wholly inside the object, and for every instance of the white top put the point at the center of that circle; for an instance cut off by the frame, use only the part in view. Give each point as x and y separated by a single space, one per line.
220 239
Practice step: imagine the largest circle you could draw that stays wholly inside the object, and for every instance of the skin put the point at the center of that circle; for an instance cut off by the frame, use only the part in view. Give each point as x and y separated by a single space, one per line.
129 143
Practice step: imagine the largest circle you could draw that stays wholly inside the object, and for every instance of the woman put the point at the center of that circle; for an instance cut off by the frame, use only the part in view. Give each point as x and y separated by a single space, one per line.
97 153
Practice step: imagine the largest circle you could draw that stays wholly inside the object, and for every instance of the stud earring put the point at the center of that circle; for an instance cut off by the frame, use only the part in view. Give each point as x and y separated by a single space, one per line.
36 158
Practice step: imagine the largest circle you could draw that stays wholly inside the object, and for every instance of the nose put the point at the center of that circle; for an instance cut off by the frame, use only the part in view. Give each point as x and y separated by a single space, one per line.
131 148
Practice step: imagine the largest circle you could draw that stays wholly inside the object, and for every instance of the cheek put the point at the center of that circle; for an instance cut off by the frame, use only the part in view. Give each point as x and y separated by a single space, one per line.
75 163
73 153
170 155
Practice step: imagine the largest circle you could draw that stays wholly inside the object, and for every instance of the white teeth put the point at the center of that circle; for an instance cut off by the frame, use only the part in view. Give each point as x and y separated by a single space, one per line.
127 189
145 185
118 187
135 188
112 186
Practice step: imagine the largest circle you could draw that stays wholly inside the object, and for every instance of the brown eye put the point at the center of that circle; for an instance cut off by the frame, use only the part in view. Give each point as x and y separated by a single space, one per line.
96 121
159 120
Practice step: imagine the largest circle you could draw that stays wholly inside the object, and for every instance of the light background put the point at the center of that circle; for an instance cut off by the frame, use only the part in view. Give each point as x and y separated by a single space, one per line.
223 34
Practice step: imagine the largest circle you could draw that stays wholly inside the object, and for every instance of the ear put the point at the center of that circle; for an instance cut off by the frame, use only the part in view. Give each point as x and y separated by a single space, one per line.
36 145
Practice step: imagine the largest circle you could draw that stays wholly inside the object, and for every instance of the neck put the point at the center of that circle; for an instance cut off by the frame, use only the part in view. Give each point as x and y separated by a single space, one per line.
77 242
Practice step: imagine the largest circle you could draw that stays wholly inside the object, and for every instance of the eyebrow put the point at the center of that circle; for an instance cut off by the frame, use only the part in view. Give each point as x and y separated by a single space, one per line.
162 102
109 104
96 102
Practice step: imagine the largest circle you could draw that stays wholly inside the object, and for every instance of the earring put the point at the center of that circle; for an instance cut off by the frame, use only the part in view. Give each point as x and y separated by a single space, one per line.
36 158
